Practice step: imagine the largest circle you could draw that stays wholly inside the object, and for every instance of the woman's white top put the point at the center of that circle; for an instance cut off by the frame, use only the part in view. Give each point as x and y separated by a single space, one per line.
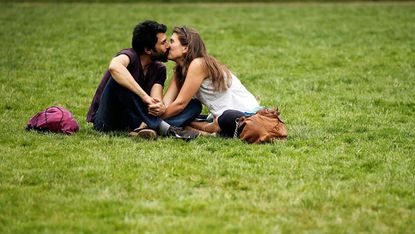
236 97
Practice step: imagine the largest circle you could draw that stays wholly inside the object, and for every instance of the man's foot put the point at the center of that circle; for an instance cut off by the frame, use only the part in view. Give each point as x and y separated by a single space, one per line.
146 133
180 133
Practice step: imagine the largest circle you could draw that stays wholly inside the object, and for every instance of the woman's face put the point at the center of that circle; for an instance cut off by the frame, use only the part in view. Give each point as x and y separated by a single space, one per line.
177 51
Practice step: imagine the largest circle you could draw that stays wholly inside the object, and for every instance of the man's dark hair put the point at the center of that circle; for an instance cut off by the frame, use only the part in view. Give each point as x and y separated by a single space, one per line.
145 35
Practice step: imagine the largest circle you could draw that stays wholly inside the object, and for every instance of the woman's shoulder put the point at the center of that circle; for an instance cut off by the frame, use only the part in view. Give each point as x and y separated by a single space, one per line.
197 62
198 65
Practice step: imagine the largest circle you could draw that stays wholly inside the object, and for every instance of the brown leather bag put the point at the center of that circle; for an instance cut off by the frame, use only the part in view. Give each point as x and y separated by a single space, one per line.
265 126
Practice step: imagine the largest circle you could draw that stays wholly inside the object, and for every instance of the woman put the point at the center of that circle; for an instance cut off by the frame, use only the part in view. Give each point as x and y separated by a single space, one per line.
201 75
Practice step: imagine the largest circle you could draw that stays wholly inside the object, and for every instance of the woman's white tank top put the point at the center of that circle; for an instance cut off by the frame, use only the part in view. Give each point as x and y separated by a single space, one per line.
236 97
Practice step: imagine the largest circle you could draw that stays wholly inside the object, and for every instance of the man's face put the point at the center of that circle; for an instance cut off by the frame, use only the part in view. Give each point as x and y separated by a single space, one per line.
161 48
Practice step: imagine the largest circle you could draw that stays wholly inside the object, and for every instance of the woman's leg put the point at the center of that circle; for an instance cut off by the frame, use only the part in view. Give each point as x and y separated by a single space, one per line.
191 111
227 122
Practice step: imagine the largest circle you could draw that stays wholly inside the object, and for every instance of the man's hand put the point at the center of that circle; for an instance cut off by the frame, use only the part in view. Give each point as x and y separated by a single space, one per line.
150 100
157 109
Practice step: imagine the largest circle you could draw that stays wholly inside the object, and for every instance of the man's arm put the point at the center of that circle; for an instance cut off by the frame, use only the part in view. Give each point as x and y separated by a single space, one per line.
172 91
120 73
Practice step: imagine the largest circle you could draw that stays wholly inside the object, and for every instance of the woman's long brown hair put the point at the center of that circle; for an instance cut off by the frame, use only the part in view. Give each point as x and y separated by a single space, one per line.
218 73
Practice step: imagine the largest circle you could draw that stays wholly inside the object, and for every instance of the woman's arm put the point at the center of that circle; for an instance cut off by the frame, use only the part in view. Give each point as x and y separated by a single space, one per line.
171 94
195 76
157 92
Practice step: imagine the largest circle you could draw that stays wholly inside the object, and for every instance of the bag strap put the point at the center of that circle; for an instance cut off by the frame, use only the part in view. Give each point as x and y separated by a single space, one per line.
238 123
235 133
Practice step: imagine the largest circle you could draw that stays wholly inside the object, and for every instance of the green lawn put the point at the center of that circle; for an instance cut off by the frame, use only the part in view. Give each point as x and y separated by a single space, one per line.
342 74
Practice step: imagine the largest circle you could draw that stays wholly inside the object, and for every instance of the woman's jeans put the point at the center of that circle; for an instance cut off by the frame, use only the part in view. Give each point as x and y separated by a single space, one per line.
121 109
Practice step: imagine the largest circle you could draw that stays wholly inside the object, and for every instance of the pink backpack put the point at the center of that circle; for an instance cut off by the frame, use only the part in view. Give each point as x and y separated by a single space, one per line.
53 119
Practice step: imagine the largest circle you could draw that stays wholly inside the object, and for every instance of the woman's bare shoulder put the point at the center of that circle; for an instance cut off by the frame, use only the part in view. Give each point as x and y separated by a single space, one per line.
197 63
198 68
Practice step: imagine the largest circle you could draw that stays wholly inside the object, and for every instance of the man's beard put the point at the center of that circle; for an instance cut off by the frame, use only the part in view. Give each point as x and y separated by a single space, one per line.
162 57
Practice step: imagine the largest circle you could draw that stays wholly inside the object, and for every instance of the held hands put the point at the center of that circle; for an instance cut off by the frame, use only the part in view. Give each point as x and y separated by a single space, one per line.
150 100
157 109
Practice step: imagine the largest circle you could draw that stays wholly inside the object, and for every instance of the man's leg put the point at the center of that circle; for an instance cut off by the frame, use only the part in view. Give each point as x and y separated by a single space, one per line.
191 111
135 110
121 109
129 111
108 116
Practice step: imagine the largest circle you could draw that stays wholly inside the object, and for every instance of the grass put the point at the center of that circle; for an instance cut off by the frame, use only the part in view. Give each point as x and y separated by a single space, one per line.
342 75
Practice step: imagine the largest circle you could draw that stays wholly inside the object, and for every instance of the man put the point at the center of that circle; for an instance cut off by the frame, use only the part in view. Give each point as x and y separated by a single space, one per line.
135 80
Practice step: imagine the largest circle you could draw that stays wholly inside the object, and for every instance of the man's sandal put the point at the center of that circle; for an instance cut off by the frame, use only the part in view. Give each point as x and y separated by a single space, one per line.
146 133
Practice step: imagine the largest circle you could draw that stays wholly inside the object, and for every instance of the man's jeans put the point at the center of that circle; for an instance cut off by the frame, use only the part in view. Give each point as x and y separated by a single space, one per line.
121 109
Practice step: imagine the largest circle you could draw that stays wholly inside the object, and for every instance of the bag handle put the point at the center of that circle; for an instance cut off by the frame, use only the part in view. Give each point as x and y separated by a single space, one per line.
46 116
